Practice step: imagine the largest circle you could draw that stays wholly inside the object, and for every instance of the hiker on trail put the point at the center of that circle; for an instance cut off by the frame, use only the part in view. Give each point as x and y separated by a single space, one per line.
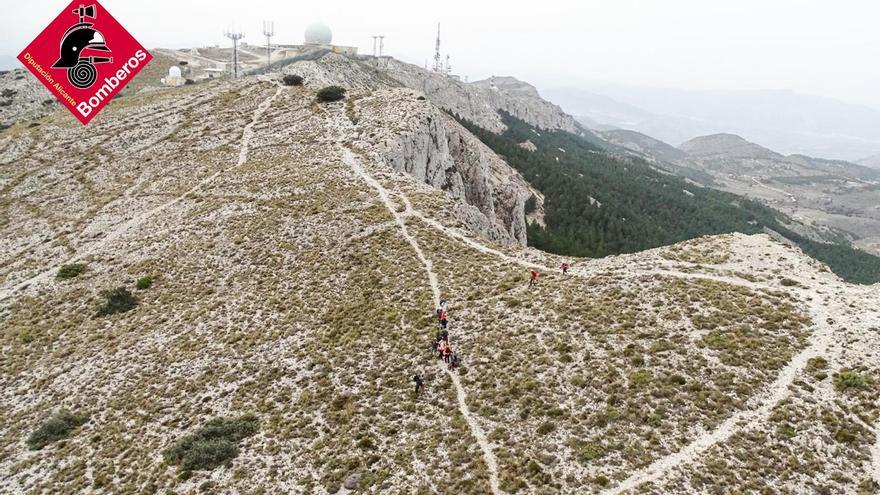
441 350
565 269
419 383
435 346
454 362
533 280
443 320
441 308
444 336
447 353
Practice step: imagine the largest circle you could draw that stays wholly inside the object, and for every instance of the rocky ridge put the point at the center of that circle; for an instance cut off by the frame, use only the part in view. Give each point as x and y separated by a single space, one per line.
296 270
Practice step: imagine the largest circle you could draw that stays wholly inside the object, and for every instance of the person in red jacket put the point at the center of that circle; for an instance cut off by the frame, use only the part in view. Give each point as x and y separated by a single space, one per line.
565 269
447 354
534 277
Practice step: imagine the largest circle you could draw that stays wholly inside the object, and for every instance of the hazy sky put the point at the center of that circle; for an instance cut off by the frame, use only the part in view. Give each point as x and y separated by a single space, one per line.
811 46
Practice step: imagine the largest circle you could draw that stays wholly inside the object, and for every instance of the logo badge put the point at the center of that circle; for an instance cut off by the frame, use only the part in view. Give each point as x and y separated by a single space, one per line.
84 57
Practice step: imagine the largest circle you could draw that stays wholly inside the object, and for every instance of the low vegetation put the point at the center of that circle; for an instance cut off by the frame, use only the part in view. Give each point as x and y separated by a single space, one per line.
212 445
57 427
144 283
71 271
331 93
118 300
292 80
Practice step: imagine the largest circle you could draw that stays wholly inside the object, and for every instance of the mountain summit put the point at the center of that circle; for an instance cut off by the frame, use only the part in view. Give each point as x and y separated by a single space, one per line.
231 287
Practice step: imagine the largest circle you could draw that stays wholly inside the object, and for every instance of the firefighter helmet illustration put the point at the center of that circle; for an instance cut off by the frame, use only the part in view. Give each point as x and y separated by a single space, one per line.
77 46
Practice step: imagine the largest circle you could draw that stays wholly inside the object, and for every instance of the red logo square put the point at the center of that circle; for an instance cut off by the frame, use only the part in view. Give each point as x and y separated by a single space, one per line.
84 57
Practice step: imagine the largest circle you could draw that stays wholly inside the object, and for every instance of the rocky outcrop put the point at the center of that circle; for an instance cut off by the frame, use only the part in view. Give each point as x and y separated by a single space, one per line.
416 138
480 102
22 97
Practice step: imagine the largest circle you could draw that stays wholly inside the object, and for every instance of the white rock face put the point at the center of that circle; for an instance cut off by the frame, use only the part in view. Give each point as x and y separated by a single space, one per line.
415 137
22 97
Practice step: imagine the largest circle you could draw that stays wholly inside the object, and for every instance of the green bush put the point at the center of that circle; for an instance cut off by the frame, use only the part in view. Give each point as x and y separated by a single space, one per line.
71 271
118 300
144 283
57 427
847 379
292 80
590 452
546 428
331 93
531 204
213 445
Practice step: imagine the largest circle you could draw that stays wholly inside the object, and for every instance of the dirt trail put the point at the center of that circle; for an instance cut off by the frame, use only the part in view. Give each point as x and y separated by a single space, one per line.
122 228
761 405
452 234
476 429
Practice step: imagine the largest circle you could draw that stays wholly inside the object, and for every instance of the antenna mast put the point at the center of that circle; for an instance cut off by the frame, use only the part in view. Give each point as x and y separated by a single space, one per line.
234 37
381 45
438 63
268 32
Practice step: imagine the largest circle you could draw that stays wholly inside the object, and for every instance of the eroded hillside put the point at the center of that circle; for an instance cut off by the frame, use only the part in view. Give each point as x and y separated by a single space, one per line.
295 271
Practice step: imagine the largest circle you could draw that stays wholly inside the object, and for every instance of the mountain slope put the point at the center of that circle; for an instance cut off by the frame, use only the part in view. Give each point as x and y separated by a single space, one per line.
597 204
295 277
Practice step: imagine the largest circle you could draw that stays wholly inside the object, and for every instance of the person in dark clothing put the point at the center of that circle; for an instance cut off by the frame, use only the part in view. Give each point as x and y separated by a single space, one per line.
447 354
454 362
419 383
444 335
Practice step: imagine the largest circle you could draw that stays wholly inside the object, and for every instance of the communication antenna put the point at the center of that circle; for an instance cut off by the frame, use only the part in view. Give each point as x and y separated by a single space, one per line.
268 32
438 64
234 37
375 40
381 45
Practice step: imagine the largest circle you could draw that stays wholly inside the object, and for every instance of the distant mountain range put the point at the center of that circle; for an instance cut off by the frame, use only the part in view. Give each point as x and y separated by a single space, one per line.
786 121
837 199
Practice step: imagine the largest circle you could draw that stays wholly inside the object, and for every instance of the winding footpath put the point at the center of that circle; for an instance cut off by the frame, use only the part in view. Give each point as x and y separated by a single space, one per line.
821 342
476 430
122 228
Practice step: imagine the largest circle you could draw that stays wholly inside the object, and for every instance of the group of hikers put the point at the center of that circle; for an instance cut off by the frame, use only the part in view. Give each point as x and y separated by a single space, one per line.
440 346
533 273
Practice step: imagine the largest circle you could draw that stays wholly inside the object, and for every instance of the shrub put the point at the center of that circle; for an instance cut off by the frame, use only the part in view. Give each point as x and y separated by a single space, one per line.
531 204
214 444
787 282
590 452
8 93
844 436
57 427
640 377
144 283
71 271
118 300
292 80
331 93
847 379
546 428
